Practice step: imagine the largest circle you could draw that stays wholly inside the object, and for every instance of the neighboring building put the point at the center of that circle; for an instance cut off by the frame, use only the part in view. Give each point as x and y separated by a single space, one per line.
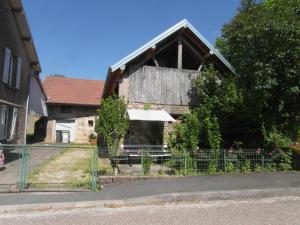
72 105
18 64
37 111
159 75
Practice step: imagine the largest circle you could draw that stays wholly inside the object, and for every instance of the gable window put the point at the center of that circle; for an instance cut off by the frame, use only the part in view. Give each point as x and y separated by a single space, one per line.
12 66
66 109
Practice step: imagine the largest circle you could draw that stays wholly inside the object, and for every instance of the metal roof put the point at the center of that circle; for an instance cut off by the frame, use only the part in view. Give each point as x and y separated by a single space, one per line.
149 115
184 23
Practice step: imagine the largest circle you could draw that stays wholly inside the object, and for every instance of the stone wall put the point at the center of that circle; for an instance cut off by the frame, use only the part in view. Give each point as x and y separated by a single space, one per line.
83 129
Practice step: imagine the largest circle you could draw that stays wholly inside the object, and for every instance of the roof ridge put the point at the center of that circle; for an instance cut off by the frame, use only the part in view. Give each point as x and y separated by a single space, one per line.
73 78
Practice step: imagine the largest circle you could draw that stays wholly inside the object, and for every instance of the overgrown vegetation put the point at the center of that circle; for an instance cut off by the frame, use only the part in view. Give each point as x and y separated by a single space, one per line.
258 106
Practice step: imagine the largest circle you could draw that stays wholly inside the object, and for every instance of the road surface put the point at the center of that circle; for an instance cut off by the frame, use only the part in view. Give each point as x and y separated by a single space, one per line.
273 211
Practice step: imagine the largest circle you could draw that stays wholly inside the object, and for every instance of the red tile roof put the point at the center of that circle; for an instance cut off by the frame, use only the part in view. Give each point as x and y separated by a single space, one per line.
63 90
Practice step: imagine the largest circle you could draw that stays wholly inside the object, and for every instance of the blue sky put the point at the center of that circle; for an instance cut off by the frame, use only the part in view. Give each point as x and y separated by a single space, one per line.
81 38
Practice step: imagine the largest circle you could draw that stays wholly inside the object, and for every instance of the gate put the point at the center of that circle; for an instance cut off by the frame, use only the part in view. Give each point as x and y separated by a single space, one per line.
49 167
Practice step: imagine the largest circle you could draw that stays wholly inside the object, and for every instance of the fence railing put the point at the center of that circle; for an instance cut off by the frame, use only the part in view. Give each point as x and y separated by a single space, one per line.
49 167
208 161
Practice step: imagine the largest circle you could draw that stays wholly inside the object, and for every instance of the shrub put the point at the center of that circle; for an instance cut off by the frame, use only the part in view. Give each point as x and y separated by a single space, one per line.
279 146
229 167
92 136
246 166
212 167
146 164
258 168
182 162
185 136
282 159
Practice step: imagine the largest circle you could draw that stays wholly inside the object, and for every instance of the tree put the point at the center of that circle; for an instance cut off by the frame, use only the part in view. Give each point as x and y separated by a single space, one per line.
219 104
112 122
262 43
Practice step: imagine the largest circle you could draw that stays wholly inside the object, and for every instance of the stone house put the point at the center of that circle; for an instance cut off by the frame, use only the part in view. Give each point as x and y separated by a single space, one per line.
72 105
19 64
157 76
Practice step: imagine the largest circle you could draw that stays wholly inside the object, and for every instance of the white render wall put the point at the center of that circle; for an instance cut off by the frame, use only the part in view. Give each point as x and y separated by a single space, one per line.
37 99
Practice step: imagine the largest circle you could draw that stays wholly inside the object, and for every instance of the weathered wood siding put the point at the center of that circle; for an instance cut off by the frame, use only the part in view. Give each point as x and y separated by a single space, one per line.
159 85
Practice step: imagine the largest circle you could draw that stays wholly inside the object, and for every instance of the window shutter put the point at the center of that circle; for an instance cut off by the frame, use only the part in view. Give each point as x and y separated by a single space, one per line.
13 123
18 74
6 66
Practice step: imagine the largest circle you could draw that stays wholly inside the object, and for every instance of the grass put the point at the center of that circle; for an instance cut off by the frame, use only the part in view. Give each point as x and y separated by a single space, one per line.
71 168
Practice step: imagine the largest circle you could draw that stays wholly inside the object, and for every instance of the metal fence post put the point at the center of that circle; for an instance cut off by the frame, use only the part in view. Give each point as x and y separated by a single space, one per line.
185 162
23 169
94 169
224 157
142 157
262 159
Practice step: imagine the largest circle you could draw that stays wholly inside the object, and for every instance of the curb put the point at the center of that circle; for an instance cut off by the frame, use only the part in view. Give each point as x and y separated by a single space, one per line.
158 199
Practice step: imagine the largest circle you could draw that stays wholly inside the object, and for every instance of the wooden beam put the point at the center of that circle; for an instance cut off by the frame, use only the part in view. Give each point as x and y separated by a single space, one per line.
205 58
155 61
26 39
17 10
195 42
157 51
179 55
193 49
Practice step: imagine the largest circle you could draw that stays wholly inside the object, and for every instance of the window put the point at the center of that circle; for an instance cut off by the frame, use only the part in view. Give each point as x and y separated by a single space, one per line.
12 133
8 122
91 123
66 109
3 121
11 69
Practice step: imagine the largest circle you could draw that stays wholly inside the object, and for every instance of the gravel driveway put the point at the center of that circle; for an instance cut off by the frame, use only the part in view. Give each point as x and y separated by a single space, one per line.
37 156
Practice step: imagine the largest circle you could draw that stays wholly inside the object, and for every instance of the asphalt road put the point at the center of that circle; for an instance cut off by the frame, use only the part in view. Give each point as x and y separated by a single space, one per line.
150 187
273 211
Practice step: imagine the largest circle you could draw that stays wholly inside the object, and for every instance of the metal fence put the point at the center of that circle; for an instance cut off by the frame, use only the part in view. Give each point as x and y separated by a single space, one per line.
49 167
75 167
146 161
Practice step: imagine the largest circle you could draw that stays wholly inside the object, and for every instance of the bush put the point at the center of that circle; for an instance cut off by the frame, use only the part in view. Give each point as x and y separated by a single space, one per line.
246 166
212 167
92 136
282 159
183 163
146 164
229 167
279 146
